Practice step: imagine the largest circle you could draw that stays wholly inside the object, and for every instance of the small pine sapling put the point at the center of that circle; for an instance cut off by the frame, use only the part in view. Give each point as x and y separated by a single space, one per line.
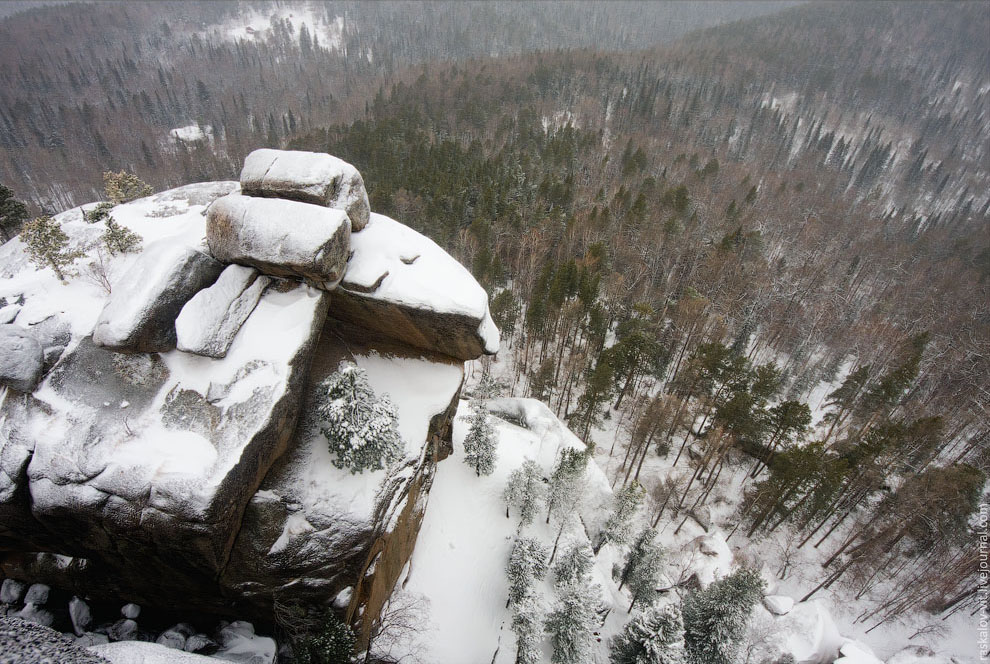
120 239
565 479
479 444
527 563
655 636
619 525
715 618
48 245
98 213
360 427
123 187
525 491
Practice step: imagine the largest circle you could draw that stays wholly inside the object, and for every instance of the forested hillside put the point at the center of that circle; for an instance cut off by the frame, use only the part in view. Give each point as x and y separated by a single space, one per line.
183 91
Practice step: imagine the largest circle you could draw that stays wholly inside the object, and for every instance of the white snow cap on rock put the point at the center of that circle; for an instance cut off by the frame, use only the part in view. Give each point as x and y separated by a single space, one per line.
209 321
310 177
140 652
778 605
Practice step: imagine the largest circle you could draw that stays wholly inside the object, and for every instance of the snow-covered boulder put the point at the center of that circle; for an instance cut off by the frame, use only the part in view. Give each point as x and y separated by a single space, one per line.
140 652
778 605
400 284
854 652
707 558
80 615
309 177
11 591
143 306
208 322
37 594
21 358
280 237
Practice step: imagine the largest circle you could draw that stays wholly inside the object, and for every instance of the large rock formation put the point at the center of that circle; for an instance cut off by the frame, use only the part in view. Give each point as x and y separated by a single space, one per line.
205 463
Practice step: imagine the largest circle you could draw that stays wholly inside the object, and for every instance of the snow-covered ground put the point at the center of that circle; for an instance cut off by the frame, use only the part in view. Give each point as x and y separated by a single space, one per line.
816 630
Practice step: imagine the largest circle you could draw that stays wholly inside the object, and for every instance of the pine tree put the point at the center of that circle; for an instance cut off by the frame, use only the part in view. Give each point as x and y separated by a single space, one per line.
333 643
572 623
360 427
525 491
479 444
527 563
98 213
617 529
574 565
13 214
47 245
120 239
123 187
715 618
642 566
655 636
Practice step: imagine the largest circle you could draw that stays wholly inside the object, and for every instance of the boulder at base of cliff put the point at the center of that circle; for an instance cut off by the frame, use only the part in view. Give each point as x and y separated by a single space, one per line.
21 358
310 177
279 237
145 301
210 320
401 284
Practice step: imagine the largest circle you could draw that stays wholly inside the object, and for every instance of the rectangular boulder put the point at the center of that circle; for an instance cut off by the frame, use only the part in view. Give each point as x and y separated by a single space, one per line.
209 322
143 306
280 237
310 177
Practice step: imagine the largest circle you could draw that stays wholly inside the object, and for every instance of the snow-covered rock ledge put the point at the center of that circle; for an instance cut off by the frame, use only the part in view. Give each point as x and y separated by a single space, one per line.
400 283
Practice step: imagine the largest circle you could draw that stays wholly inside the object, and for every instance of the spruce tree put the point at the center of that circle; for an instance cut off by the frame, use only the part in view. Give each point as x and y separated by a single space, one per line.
359 426
527 624
642 567
572 623
565 480
619 525
527 563
479 444
655 636
715 618
574 565
525 491
333 643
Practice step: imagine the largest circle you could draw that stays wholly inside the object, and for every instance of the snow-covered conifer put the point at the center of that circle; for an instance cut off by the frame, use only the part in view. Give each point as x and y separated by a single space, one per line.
527 563
525 491
643 566
572 623
527 623
573 566
565 480
655 636
48 246
479 444
619 525
715 618
360 427
489 387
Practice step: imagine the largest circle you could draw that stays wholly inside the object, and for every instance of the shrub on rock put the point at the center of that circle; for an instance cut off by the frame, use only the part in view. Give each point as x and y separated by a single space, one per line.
359 426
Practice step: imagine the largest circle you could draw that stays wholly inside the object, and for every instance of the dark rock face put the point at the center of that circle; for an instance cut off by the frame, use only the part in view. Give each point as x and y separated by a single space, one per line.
140 315
280 237
455 335
22 358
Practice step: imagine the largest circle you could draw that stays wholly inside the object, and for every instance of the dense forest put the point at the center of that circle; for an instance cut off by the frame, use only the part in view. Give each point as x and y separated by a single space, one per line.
686 238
